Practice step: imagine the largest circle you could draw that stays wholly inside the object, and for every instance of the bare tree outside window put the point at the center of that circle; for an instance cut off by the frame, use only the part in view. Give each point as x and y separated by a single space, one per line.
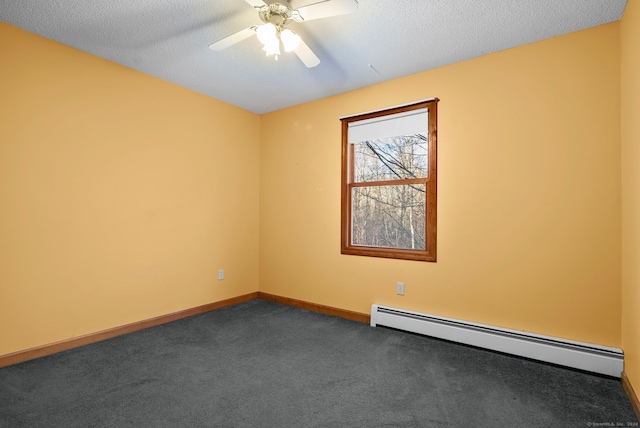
389 190
392 158
393 215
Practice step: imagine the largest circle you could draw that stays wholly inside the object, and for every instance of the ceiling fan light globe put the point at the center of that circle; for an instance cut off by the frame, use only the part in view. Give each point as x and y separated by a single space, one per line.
272 47
266 33
290 40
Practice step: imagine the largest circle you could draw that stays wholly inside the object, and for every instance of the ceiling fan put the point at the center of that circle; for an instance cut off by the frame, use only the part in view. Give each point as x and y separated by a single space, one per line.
276 17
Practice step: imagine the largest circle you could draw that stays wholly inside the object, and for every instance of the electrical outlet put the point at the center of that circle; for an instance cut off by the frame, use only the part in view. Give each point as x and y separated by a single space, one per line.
220 274
400 288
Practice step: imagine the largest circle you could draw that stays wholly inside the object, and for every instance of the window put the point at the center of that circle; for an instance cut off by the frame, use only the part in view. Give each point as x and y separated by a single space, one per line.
389 173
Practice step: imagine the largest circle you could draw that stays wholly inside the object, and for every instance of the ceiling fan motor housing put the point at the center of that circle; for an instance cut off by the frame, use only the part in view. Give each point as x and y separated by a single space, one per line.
277 14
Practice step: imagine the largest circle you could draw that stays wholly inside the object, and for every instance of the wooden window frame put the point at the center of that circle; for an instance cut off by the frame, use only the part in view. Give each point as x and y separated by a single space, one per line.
429 253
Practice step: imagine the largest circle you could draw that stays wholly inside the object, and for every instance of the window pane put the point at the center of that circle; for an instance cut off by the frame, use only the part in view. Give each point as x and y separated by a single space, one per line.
389 216
391 158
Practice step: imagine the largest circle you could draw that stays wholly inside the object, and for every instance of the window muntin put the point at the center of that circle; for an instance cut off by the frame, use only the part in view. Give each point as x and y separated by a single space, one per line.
389 183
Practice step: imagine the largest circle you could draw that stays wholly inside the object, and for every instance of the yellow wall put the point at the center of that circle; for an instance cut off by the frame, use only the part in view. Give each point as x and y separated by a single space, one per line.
529 212
120 194
630 32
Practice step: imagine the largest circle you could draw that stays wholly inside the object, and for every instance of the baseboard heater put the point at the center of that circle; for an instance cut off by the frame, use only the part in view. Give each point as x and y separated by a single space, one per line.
583 356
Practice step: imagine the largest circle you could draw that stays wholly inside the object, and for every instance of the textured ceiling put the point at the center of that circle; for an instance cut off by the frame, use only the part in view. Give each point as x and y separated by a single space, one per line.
383 40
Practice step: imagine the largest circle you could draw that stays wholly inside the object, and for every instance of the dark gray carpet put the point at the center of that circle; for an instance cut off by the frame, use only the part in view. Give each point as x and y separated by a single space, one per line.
261 364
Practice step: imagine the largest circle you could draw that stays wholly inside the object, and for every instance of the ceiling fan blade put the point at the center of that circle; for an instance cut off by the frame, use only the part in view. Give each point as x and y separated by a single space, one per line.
256 3
327 8
306 55
232 39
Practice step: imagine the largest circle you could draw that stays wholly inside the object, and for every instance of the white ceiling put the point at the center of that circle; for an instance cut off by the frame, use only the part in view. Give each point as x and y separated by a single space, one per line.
169 39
